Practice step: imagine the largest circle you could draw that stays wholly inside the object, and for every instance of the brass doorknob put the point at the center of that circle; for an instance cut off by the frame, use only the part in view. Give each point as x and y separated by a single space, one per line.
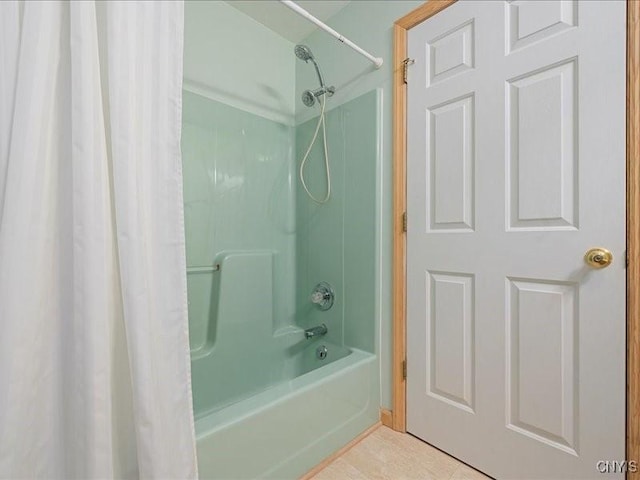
598 257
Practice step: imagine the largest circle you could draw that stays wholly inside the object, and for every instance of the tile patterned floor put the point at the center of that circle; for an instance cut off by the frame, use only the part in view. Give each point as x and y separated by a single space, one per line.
389 455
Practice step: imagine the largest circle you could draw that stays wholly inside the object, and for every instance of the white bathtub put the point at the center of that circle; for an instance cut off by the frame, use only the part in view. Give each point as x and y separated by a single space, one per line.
286 430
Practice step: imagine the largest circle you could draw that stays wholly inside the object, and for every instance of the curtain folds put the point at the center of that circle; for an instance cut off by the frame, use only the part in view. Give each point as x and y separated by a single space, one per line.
94 349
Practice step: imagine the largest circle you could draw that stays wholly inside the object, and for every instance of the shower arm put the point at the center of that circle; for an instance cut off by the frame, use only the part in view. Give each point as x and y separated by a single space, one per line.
377 61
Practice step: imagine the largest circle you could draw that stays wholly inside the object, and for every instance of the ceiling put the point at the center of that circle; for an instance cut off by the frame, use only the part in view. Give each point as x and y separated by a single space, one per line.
285 22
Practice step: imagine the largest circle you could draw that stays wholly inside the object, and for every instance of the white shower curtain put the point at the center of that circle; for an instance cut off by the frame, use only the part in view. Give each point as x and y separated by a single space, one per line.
94 349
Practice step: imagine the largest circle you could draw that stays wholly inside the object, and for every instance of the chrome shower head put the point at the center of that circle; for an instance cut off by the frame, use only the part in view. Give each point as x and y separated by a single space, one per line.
303 52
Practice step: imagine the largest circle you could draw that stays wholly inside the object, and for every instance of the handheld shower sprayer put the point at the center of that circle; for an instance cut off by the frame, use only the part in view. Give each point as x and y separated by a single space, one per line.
309 96
309 99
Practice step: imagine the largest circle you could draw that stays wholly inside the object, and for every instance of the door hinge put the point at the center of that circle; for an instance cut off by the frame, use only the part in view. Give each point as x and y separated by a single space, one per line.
404 222
404 369
405 68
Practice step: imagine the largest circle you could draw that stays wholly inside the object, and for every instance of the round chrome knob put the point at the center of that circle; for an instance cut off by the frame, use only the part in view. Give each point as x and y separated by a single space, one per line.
598 257
323 296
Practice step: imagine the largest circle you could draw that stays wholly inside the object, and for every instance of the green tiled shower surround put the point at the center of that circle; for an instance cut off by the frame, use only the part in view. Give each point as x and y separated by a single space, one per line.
233 59
335 242
240 218
256 246
355 77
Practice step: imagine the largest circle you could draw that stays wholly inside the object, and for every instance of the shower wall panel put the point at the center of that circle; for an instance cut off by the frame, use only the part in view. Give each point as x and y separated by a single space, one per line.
355 76
239 198
336 242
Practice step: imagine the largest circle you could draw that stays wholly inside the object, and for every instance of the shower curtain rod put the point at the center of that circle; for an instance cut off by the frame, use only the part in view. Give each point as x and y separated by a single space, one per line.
377 61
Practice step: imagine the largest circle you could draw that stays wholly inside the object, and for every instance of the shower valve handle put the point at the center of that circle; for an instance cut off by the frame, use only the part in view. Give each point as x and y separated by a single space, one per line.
323 296
318 297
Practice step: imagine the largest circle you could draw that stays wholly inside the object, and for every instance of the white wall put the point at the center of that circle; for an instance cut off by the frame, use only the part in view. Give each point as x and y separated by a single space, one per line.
229 57
369 24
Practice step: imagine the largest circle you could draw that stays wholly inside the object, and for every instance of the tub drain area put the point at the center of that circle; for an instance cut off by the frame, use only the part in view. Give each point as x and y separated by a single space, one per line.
321 352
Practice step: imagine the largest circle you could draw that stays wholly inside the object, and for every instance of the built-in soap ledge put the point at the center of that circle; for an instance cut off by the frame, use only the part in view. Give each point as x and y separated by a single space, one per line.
241 305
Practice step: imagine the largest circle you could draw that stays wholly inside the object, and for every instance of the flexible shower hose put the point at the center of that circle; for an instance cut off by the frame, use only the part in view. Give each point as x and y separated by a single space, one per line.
326 156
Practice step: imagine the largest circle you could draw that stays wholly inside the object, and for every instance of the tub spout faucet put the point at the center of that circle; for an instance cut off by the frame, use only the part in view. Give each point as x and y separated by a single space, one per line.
315 331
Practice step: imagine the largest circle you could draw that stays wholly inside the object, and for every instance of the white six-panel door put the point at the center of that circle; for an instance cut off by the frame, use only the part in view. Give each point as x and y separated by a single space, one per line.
516 167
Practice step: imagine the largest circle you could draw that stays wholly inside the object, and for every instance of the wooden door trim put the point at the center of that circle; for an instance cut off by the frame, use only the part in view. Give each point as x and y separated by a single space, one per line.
399 288
400 29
